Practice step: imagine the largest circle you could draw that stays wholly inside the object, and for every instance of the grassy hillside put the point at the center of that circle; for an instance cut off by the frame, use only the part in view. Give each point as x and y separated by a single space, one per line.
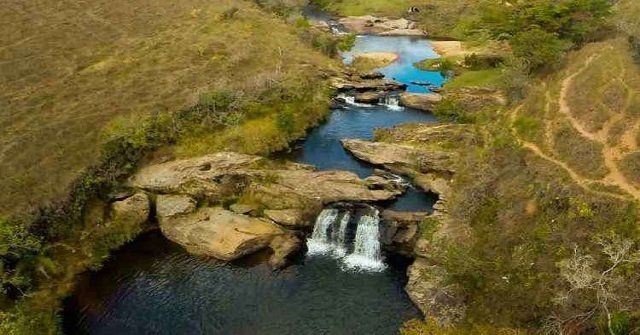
69 69
550 203
89 90
587 118
544 236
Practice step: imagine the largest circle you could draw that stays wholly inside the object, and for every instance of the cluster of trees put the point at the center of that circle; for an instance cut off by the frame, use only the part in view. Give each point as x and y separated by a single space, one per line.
539 31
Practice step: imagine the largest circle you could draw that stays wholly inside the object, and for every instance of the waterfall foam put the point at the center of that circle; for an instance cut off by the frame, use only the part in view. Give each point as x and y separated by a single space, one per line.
366 254
320 241
351 100
330 237
340 236
392 103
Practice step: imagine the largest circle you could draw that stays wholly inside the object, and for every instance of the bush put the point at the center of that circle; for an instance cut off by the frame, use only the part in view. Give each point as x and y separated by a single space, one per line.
538 47
450 109
285 120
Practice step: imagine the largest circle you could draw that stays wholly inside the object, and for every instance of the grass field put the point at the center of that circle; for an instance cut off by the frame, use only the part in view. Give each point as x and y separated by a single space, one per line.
68 69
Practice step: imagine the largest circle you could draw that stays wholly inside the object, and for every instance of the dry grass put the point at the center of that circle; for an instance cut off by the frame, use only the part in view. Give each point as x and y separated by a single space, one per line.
589 114
630 166
581 154
68 68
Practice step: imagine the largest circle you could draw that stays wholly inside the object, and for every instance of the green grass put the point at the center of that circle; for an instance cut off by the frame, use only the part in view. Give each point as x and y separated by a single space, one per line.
366 7
482 78
67 74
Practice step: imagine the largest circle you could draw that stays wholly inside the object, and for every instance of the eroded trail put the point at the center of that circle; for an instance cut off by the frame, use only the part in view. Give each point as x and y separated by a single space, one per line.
612 151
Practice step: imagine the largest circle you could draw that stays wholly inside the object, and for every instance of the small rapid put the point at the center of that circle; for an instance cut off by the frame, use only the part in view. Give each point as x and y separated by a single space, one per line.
392 103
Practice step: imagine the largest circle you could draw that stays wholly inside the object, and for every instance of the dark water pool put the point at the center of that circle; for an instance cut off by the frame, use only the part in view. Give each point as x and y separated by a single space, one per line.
322 147
152 286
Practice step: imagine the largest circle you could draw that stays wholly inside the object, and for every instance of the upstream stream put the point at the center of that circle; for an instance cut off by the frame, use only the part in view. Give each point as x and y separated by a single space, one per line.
153 286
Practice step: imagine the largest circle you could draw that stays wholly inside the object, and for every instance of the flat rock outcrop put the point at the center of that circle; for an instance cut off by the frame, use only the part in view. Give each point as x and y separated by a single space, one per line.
168 205
220 233
189 195
292 218
403 159
424 102
400 230
354 83
225 174
371 25
132 211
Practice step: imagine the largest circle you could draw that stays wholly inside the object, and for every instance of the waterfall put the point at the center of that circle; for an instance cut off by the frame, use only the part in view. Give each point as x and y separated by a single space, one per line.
366 254
392 103
320 242
330 237
351 100
340 236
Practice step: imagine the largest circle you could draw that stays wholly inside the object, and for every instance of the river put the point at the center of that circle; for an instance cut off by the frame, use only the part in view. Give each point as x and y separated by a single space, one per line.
152 286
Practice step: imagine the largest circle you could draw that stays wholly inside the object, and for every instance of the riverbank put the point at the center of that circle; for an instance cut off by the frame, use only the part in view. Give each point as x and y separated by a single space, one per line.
265 200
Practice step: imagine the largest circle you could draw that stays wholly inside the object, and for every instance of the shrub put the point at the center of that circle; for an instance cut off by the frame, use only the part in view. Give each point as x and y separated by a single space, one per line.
538 47
450 109
285 120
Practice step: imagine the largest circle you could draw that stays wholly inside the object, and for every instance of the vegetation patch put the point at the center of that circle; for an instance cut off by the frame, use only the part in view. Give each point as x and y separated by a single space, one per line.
584 155
481 78
630 166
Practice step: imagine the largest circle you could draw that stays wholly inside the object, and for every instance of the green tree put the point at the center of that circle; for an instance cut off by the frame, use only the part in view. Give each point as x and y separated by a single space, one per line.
538 47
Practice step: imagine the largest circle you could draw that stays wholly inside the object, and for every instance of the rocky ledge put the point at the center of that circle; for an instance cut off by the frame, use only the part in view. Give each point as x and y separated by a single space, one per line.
421 152
357 82
371 25
420 101
229 205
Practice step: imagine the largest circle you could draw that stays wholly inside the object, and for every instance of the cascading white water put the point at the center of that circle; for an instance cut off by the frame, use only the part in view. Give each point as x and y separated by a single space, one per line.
351 100
330 238
340 236
320 241
366 254
392 103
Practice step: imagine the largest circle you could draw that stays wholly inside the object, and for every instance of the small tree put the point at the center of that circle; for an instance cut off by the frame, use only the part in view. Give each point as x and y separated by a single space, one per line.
538 47
598 287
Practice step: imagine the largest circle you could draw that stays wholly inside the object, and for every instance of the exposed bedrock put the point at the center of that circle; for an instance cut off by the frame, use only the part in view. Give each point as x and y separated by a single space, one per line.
229 205
421 152
368 24
400 231
421 101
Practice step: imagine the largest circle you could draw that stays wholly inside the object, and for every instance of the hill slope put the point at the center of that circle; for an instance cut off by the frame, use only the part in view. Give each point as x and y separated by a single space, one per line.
68 69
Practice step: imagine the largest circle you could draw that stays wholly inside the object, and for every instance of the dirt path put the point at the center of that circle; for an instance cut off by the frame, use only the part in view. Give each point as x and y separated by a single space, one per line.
612 154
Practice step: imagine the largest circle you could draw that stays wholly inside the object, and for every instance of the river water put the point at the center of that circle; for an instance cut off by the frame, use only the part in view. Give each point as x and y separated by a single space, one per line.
153 286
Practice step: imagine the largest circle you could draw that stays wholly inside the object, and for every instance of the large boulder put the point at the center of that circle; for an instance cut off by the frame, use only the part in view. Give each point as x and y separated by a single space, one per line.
403 159
216 232
400 230
359 84
428 289
372 97
368 24
168 205
424 102
290 218
282 186
368 61
132 211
